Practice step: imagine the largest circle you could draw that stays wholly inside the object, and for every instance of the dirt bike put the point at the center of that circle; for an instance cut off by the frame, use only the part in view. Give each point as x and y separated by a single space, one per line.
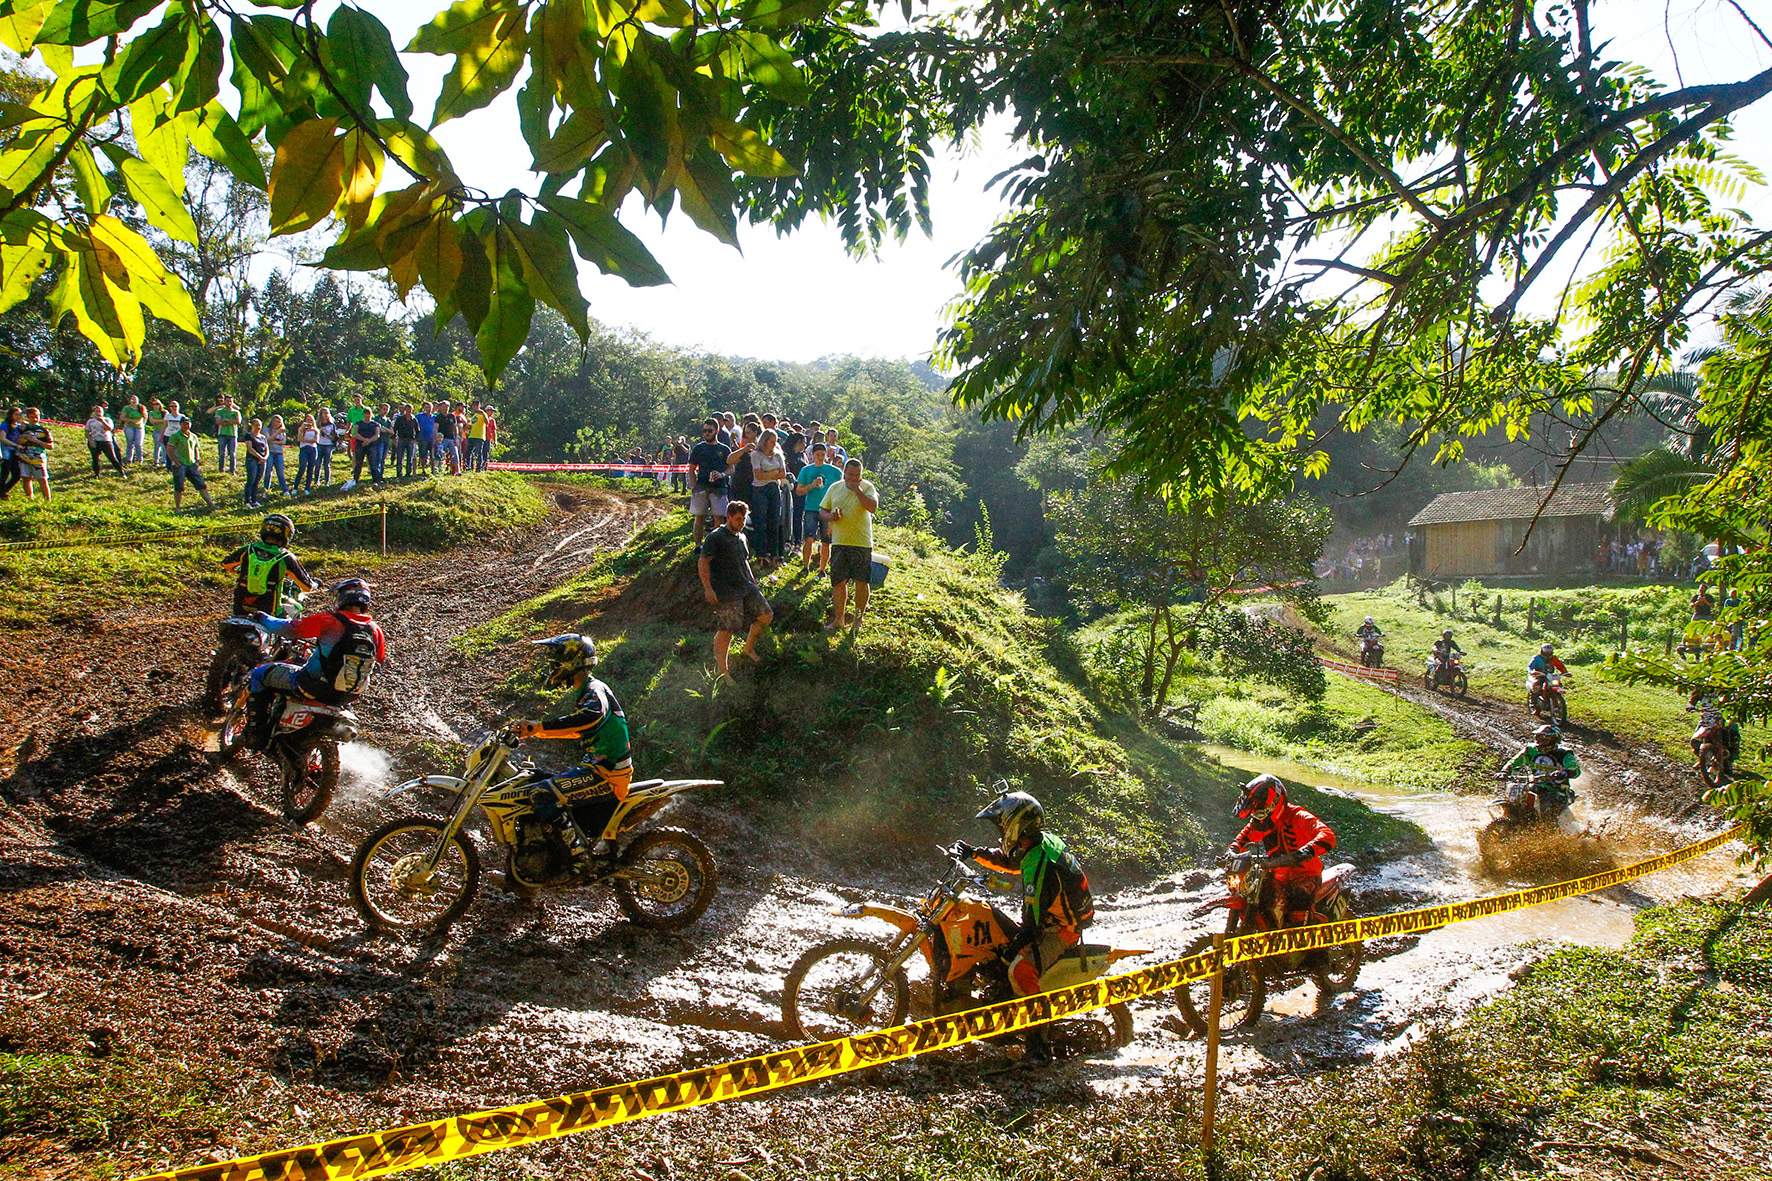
1371 652
855 985
1447 673
303 734
1544 697
1716 749
241 646
418 873
1246 985
1518 815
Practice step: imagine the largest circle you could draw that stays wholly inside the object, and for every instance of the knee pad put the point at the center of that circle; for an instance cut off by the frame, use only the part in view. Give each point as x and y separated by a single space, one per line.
1024 976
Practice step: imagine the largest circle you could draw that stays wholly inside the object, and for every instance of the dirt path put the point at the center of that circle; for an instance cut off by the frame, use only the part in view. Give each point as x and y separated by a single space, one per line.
153 905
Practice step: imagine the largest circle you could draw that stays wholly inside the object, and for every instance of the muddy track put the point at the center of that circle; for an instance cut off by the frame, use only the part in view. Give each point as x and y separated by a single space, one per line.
157 903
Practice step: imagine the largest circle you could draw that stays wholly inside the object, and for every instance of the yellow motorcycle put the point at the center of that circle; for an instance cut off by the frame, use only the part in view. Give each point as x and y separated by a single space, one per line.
856 985
419 874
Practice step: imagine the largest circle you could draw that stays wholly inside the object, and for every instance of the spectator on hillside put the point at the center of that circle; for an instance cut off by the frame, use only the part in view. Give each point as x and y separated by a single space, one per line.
427 438
364 433
491 439
227 425
680 458
817 478
32 448
742 485
708 492
1704 607
156 419
186 461
384 442
729 433
258 455
834 453
131 418
100 439
9 433
476 437
307 454
276 438
768 471
729 586
405 442
330 434
850 509
449 438
793 527
174 421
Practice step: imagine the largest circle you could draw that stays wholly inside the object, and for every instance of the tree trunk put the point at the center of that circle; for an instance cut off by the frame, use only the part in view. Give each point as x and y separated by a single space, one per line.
1150 660
1171 653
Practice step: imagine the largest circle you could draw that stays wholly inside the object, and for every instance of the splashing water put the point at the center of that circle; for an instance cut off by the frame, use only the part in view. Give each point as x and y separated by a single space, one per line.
363 770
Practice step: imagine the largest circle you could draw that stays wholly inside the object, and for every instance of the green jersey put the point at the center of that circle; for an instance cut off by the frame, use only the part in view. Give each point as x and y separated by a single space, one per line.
227 421
132 415
182 448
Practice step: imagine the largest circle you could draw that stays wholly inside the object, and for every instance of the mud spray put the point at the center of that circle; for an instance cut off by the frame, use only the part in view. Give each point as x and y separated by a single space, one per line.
363 772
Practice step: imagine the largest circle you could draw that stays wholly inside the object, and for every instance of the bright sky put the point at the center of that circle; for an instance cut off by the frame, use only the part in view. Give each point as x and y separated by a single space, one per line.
802 297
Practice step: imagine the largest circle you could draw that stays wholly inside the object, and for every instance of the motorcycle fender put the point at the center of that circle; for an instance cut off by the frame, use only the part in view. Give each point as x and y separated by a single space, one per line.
1228 902
449 782
903 920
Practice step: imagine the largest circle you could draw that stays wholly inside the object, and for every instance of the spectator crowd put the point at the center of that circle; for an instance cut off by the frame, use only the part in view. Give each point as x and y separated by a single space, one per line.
1363 560
434 438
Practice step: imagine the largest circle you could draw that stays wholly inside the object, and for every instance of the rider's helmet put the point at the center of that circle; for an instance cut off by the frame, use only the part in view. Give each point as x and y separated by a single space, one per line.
1545 737
277 530
1446 635
1016 815
1368 619
1259 796
1545 649
353 592
569 654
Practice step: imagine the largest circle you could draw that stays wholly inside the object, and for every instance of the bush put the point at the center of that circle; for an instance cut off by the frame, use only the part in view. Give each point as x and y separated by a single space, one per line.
1586 652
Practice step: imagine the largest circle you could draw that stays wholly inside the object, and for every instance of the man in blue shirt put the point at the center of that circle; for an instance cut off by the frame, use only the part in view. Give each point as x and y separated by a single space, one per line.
815 479
427 437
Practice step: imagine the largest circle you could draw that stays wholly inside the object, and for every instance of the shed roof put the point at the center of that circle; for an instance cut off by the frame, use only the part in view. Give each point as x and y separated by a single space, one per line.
1516 504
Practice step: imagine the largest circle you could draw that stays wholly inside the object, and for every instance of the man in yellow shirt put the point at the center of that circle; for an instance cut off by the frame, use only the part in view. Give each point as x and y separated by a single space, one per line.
476 455
849 509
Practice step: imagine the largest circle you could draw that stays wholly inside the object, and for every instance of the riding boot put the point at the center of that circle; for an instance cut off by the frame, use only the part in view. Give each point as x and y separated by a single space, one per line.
258 721
1039 1051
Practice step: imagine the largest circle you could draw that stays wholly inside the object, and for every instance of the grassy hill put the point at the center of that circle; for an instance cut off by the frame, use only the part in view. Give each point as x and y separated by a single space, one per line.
890 738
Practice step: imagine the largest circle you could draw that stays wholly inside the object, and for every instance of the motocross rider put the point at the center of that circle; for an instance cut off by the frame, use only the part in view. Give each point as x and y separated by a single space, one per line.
581 800
1542 666
1710 717
262 565
1056 904
1552 768
348 644
1369 628
1292 842
1444 649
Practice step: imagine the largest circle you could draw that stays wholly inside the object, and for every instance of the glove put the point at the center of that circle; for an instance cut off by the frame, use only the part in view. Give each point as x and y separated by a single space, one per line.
260 618
968 851
1287 860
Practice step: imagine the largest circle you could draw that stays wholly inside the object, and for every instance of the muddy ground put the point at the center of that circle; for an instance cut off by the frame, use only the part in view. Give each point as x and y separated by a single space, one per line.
155 905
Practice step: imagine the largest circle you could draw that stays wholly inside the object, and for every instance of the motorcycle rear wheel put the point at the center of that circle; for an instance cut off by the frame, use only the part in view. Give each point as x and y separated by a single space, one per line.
818 998
1713 765
393 850
684 877
1244 995
310 776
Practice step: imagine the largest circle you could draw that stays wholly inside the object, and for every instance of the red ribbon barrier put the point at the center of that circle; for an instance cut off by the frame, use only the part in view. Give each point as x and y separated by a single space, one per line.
1355 670
648 468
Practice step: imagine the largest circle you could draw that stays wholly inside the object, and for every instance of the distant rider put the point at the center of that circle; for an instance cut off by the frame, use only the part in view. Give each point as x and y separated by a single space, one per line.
1445 648
583 799
1542 666
1552 768
348 644
1710 717
1055 901
261 566
1291 841
1369 629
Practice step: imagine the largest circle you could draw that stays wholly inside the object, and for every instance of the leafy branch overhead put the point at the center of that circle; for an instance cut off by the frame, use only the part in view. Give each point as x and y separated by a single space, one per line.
654 96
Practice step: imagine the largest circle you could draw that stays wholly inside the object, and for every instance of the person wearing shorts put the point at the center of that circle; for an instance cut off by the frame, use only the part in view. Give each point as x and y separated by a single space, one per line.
708 487
183 457
814 481
731 589
850 509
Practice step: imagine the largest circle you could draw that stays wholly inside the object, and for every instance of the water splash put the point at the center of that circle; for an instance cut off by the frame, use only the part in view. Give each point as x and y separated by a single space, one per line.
363 772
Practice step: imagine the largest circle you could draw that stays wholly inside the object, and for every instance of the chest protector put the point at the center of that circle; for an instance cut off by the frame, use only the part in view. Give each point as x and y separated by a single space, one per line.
345 667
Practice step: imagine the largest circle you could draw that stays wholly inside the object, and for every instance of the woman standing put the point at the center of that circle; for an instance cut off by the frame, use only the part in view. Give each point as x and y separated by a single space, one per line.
307 463
768 471
328 440
257 452
276 437
100 440
9 433
157 428
34 445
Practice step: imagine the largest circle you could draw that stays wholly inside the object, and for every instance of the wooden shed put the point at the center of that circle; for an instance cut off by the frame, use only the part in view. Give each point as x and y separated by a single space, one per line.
1470 534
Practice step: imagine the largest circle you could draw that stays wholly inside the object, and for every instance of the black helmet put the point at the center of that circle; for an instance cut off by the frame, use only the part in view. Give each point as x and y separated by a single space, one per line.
570 654
1016 815
353 592
1260 795
1545 737
277 530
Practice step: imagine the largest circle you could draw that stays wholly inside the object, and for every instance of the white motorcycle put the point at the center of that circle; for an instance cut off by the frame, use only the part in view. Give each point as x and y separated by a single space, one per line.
419 874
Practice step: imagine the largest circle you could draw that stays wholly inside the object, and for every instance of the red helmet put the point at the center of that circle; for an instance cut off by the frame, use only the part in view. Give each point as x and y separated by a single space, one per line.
1259 796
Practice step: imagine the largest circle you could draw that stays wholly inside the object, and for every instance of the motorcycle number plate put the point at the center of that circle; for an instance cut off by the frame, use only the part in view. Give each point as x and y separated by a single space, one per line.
296 720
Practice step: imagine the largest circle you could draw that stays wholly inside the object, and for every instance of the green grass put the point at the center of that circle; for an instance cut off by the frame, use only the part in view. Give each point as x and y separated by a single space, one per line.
36 585
1496 658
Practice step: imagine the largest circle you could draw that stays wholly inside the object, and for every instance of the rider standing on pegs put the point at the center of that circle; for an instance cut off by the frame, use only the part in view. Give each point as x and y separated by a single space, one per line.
581 800
1056 904
262 565
1291 840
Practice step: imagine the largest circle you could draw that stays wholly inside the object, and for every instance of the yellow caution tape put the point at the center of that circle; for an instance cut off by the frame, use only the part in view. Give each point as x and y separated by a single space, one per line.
175 534
376 1154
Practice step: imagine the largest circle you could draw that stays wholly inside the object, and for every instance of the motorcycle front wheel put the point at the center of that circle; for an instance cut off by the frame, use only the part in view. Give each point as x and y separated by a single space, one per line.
310 774
1713 765
1460 683
1344 960
382 872
673 883
821 998
228 663
1492 844
1559 710
1240 1005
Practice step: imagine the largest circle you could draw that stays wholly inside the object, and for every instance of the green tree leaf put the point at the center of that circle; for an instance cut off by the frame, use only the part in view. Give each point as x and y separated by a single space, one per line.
214 133
771 66
510 306
363 53
150 60
704 186
779 14
145 276
308 176
160 138
106 314
647 116
19 268
605 242
201 80
548 267
747 151
439 253
81 22
19 25
490 41
89 182
414 147
576 140
165 209
472 290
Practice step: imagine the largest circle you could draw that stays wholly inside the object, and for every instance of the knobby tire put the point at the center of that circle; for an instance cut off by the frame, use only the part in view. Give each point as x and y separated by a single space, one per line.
464 850
632 897
897 989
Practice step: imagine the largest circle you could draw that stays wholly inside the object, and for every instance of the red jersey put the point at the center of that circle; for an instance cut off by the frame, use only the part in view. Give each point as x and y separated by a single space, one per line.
1294 830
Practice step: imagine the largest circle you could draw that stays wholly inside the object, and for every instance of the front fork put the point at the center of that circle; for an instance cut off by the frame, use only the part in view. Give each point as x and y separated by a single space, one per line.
898 954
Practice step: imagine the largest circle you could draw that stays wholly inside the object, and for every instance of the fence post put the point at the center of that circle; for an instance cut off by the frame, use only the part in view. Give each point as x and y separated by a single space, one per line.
1624 635
1670 641
1498 611
1531 611
384 528
1209 1097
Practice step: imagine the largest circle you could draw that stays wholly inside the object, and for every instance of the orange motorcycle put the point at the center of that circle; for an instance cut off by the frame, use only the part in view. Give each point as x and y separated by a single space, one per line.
854 985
